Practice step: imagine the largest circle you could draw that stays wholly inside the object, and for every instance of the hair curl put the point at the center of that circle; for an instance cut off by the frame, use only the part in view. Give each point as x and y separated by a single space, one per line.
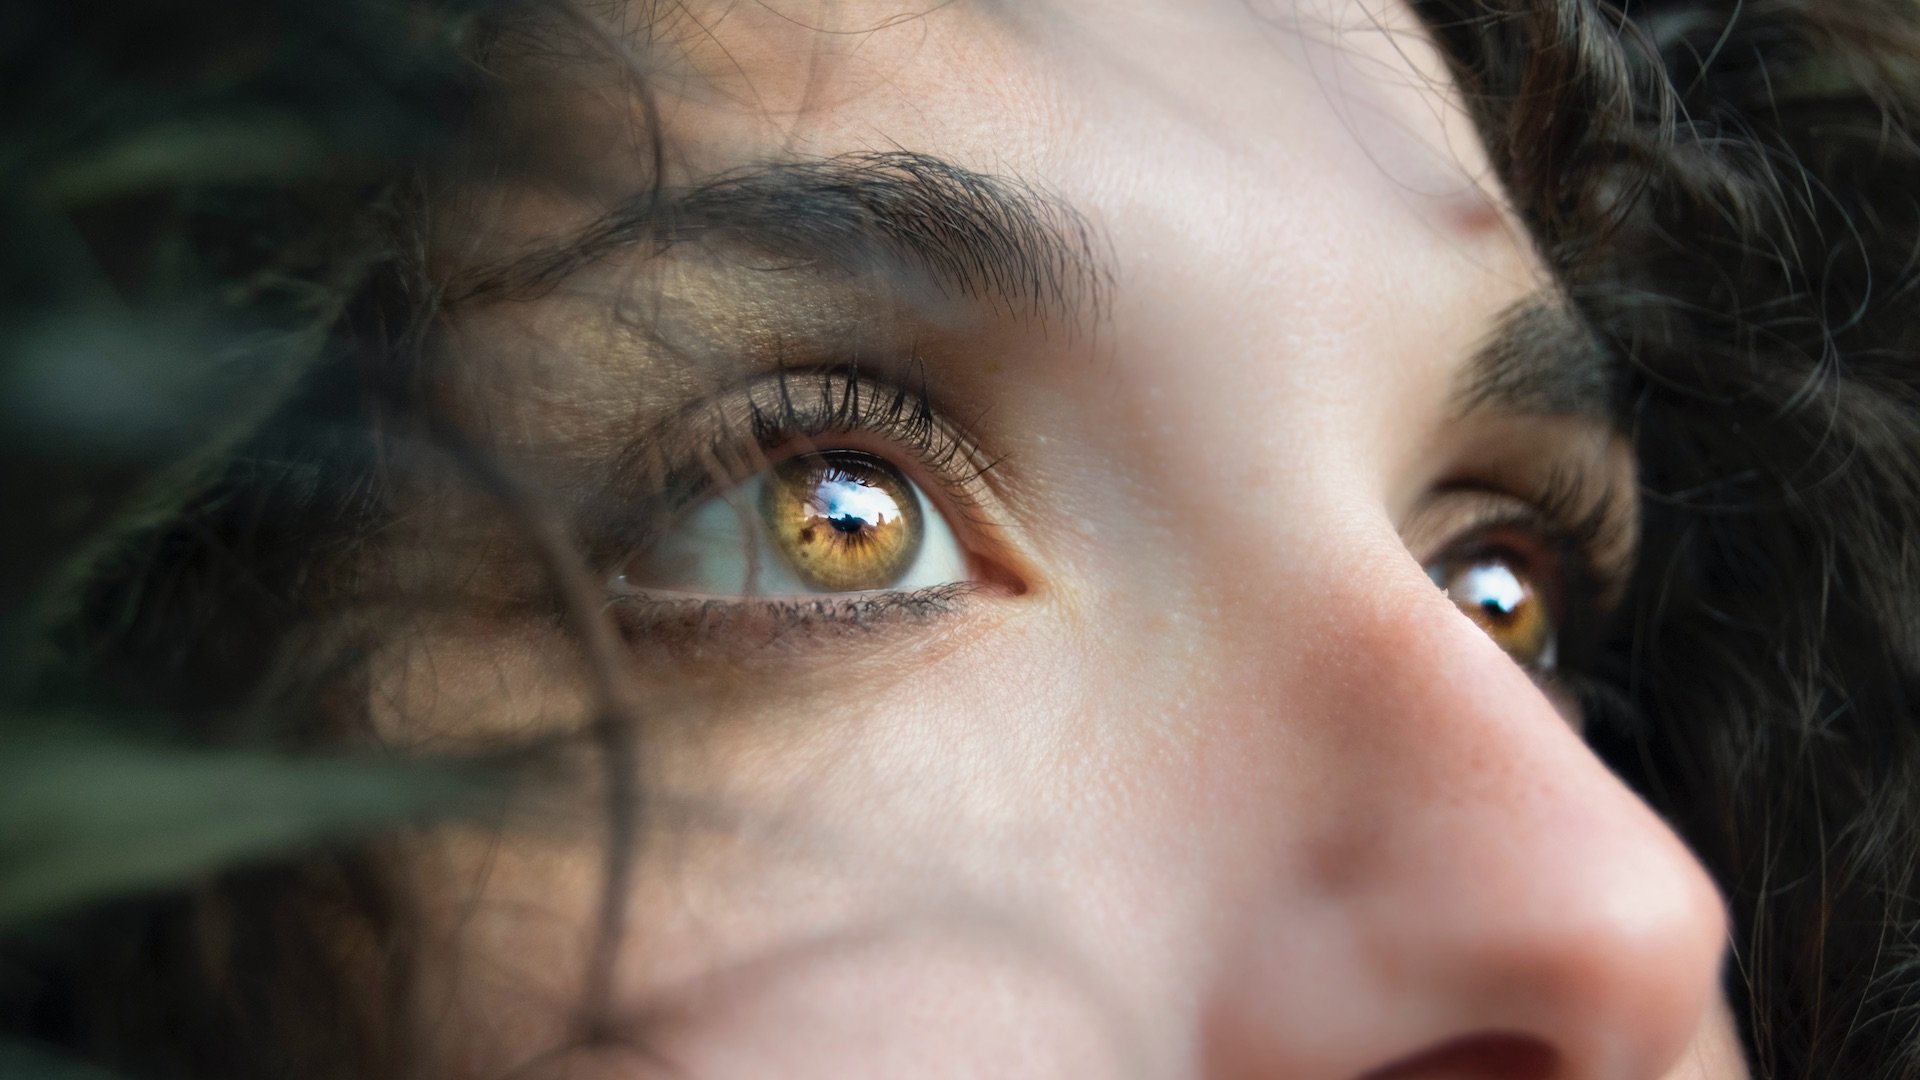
1731 194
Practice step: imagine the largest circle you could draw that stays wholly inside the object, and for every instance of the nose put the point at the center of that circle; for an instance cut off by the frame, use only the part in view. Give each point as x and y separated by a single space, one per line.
1468 891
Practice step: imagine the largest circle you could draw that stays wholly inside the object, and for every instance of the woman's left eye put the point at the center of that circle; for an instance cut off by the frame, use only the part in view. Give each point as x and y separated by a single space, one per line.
835 521
1500 594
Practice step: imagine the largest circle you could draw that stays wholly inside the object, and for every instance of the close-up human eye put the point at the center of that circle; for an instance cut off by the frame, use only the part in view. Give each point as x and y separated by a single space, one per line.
1513 597
820 522
1539 575
809 496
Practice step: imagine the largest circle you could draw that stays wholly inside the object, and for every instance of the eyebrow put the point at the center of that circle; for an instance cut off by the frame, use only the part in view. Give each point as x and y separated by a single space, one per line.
1541 358
902 214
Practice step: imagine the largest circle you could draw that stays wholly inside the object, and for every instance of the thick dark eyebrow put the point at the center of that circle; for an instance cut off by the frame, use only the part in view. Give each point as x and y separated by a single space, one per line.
909 216
1540 359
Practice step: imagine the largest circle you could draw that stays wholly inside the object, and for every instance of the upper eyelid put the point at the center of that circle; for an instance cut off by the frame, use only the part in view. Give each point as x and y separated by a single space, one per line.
736 431
771 628
1575 533
893 410
795 406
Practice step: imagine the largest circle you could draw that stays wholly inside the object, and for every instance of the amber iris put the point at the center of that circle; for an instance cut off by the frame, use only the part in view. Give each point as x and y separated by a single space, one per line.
845 521
1504 600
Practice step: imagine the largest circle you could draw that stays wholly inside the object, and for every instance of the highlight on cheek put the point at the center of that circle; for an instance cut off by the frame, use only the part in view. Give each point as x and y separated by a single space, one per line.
1504 602
844 521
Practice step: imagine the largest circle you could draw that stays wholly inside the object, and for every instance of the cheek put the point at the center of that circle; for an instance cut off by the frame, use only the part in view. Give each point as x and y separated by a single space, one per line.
1715 1053
897 997
470 684
983 864
1034 857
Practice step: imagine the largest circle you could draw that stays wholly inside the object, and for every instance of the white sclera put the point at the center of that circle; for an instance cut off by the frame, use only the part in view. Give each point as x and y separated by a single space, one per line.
1493 586
723 549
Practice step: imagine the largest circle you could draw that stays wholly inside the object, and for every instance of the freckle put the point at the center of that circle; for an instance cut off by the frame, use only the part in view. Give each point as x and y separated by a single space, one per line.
806 535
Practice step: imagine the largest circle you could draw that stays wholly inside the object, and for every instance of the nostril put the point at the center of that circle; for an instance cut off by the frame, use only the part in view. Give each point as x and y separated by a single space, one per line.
1477 1057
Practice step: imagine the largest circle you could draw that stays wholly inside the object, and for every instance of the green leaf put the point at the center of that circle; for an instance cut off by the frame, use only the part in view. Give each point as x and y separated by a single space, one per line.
199 150
84 817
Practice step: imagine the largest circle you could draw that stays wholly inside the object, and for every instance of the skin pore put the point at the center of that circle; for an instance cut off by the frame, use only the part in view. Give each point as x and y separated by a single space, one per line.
1202 330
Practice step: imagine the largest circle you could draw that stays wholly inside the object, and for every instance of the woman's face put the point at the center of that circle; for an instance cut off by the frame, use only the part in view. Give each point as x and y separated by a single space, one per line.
1101 507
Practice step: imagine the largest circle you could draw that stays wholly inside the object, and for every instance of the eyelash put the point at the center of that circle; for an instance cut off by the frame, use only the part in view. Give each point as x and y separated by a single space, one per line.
688 621
900 414
1572 530
738 434
801 409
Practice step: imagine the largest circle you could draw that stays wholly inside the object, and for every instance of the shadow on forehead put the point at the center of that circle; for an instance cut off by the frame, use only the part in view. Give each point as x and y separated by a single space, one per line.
779 54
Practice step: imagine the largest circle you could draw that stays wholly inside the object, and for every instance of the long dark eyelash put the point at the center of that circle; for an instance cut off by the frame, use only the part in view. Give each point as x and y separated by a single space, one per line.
1582 532
902 413
1583 529
1580 527
727 438
1582 524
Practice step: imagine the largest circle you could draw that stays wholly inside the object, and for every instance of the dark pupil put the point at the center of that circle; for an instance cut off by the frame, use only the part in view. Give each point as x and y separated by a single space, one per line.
847 523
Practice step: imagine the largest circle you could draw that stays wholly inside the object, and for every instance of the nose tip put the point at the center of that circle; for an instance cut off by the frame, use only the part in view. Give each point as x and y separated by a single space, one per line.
1613 968
1583 949
1550 904
1507 908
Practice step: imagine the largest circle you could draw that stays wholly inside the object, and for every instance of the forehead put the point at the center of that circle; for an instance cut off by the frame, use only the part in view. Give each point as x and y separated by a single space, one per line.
809 76
1109 101
1290 198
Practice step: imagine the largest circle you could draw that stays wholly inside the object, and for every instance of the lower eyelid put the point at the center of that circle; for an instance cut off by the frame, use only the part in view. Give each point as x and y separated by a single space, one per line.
717 624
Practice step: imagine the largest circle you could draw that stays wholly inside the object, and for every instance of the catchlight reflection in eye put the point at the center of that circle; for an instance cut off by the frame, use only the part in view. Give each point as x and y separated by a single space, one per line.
839 521
1505 602
845 522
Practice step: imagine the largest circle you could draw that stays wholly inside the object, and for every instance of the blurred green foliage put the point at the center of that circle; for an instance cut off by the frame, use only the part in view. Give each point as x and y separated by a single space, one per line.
86 816
190 195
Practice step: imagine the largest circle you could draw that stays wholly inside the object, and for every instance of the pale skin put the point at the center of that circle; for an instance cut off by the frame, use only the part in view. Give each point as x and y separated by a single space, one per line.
1202 776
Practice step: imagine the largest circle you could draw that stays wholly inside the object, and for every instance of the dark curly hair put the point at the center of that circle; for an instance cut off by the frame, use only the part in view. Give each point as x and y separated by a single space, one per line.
215 283
1731 193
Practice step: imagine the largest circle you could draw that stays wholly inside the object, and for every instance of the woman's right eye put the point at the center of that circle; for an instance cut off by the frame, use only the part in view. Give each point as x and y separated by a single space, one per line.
816 524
